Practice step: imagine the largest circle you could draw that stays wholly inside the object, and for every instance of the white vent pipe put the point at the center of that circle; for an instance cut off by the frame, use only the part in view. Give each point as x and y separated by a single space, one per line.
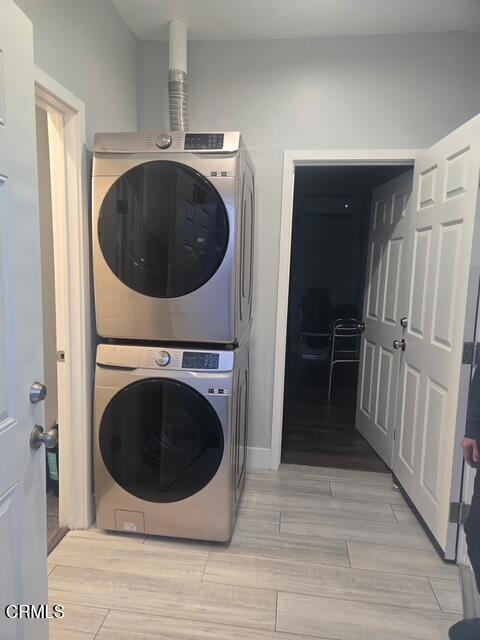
177 75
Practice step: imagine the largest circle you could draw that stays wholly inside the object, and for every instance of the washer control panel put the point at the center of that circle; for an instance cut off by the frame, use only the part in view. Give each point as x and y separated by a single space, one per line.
140 357
158 358
162 358
200 360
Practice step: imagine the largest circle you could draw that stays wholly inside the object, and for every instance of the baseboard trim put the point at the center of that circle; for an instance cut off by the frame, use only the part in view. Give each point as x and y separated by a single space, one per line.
258 458
56 538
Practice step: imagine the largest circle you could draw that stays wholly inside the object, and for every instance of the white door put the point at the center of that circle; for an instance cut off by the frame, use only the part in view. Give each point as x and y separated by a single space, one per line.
379 360
23 572
434 296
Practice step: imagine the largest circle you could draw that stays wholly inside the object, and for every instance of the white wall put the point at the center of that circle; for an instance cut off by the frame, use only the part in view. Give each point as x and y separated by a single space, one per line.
86 46
398 91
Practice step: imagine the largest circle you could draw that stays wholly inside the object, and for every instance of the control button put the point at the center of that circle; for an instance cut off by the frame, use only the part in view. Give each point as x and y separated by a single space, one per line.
162 358
163 141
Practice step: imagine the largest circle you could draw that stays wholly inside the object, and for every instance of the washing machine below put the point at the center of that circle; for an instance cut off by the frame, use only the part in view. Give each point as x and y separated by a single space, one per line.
173 228
170 439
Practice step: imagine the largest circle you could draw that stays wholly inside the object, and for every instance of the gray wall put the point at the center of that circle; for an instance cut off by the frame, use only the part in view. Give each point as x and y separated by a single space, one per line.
395 91
86 46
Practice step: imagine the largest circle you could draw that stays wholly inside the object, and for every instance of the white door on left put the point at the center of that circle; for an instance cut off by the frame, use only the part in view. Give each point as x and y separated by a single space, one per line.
23 572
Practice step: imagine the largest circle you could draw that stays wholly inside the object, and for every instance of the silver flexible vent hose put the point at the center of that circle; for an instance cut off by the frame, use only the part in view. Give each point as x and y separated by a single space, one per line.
178 100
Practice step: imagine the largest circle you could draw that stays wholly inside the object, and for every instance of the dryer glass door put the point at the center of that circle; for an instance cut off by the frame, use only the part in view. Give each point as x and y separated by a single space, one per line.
163 229
161 440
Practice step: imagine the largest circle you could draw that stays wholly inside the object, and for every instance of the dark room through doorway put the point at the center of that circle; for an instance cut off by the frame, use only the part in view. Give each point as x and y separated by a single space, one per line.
328 267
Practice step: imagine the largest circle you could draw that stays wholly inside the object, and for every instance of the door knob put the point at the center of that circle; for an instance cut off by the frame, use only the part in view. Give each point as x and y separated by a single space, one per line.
400 344
361 326
38 392
404 322
39 436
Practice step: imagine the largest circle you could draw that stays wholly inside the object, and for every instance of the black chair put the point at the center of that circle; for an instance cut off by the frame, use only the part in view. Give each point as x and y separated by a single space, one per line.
316 313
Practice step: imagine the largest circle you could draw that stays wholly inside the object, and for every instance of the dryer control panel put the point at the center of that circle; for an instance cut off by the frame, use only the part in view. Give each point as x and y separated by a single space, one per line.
197 141
167 142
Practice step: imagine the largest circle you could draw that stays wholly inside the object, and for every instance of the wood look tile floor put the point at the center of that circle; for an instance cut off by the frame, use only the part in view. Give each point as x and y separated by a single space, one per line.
317 552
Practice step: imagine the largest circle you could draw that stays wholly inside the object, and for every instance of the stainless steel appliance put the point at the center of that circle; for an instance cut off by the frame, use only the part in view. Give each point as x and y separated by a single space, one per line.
173 227
170 439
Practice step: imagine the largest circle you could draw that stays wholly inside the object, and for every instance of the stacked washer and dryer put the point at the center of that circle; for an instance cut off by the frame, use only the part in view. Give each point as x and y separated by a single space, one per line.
173 225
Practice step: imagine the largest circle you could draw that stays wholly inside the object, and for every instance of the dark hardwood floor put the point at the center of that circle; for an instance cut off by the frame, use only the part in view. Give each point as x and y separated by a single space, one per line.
319 432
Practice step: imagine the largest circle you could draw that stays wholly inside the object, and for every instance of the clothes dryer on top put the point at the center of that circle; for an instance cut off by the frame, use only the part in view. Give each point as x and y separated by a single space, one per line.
173 227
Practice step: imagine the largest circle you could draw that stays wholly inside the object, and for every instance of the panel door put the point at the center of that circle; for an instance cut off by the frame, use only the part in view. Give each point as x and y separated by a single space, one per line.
23 573
379 362
435 294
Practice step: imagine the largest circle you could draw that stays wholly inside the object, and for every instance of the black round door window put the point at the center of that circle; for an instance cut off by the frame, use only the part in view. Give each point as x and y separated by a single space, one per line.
161 440
163 229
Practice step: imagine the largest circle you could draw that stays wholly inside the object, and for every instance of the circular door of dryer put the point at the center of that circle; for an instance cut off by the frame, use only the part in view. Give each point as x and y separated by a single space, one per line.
161 440
163 229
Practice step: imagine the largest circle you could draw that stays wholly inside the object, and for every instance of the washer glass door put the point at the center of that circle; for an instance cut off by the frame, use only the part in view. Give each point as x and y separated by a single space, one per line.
161 440
163 229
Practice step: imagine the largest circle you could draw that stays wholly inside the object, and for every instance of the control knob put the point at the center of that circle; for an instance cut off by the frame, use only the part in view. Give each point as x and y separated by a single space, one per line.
162 358
163 141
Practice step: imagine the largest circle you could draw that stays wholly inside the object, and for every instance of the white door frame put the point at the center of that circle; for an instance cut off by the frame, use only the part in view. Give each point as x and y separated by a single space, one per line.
68 169
291 160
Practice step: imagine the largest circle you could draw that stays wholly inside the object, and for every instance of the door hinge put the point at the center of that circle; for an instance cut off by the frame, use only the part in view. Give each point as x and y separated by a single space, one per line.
471 353
458 512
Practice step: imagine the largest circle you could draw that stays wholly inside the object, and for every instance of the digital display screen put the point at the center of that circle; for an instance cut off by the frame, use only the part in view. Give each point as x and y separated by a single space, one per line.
193 360
195 141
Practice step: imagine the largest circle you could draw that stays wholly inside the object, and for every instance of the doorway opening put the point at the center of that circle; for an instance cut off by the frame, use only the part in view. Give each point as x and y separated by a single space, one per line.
49 301
66 297
332 208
